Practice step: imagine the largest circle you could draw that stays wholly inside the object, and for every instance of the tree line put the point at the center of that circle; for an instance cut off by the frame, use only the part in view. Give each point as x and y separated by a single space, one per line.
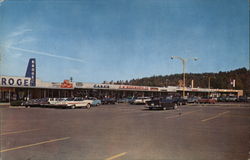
222 80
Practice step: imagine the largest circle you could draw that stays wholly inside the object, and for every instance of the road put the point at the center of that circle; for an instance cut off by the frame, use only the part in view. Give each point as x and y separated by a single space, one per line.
127 132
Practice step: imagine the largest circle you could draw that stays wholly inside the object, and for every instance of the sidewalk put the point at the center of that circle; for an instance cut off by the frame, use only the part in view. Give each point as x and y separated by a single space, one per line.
4 104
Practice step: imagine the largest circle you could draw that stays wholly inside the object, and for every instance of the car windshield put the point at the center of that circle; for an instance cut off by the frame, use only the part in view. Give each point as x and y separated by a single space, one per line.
70 99
78 99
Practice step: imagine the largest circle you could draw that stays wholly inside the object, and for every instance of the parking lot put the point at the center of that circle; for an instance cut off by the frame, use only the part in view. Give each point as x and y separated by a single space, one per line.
127 132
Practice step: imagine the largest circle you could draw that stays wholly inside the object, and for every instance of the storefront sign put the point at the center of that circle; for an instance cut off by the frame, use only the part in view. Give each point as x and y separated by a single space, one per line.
133 87
66 84
56 84
153 89
101 86
79 84
7 89
15 81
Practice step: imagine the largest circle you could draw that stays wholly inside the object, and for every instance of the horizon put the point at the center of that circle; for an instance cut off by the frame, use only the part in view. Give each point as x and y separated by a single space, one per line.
139 77
96 41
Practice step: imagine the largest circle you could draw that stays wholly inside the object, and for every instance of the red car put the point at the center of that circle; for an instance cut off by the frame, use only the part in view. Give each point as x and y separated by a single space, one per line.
207 100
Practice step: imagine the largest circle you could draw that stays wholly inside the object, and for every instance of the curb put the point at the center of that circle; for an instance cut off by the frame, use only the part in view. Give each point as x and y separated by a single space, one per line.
4 104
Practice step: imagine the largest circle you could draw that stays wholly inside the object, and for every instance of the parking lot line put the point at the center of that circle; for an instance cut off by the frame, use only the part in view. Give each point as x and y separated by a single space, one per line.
35 144
116 156
23 131
238 116
182 114
216 116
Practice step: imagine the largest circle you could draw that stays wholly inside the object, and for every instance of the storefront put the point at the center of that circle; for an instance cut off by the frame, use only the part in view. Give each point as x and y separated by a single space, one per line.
21 88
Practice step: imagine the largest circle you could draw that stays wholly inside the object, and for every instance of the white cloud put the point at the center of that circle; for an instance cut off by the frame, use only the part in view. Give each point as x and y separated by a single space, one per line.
19 32
20 38
45 54
26 40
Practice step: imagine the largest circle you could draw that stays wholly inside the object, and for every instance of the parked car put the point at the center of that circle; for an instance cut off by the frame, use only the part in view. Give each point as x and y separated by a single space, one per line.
44 102
207 100
122 100
243 99
32 103
231 99
96 102
130 100
161 103
77 102
192 100
141 100
58 102
108 101
221 99
180 100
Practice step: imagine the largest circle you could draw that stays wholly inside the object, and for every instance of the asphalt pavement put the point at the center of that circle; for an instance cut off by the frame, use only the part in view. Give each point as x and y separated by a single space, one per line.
127 132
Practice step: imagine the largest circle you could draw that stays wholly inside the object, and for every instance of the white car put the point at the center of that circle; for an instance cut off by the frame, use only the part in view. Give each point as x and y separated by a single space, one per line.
53 101
77 102
141 100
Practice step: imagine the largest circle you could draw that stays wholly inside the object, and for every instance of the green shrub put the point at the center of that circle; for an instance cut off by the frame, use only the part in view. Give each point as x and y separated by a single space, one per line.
16 103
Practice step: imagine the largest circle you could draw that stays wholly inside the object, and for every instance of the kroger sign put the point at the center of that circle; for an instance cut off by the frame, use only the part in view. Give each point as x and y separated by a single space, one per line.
15 81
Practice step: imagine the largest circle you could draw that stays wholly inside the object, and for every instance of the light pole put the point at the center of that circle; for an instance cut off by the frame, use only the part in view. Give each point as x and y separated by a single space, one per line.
209 80
184 62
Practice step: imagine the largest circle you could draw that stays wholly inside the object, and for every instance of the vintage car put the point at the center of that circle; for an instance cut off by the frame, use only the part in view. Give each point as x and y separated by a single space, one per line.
122 100
179 100
141 100
193 100
108 101
34 102
207 100
231 99
54 102
161 103
77 102
96 102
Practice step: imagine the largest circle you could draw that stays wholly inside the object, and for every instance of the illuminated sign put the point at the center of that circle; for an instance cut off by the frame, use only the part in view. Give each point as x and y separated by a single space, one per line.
134 87
15 81
66 84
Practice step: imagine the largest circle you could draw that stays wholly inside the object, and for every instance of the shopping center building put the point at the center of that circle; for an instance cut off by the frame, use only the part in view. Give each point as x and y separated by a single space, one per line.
29 87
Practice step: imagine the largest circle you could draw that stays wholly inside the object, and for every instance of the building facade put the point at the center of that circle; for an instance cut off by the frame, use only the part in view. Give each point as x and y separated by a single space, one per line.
29 87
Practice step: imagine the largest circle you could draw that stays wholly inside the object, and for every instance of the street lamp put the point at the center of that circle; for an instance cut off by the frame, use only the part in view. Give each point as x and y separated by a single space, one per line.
184 62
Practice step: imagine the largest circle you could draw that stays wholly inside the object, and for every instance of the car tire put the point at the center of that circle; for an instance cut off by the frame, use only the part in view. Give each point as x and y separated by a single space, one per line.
88 106
175 106
73 107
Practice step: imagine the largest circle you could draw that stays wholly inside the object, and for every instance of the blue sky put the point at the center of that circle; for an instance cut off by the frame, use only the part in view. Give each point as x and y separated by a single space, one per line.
97 40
